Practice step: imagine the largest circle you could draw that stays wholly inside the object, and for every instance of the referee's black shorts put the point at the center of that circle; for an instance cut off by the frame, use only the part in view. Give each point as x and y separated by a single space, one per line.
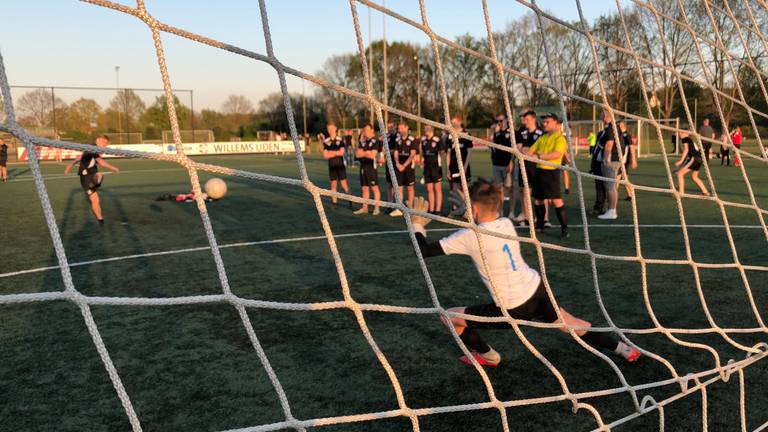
530 172
536 308
547 184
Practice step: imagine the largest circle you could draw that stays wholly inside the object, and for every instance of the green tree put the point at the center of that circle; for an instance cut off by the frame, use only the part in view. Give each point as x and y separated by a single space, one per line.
156 119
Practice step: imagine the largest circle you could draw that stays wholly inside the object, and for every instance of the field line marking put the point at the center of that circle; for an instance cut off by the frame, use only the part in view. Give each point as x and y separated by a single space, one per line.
26 178
314 238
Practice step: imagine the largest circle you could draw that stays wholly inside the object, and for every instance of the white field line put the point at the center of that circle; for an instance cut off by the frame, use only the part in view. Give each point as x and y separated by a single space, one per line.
313 238
73 176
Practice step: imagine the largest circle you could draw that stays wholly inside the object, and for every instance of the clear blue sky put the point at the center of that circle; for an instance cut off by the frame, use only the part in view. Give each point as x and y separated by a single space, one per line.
69 43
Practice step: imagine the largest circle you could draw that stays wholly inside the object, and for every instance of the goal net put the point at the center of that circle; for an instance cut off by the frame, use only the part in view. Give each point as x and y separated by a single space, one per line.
745 23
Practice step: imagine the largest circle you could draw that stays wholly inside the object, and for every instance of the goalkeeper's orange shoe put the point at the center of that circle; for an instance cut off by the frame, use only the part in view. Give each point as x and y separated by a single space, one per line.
482 361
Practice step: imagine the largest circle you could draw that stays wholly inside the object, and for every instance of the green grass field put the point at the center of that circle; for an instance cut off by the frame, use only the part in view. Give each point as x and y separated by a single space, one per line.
192 368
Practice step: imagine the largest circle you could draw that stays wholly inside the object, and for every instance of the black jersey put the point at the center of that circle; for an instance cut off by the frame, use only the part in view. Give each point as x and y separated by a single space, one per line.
334 144
404 146
369 144
602 139
392 142
88 164
3 151
501 157
430 150
626 141
693 150
464 146
526 137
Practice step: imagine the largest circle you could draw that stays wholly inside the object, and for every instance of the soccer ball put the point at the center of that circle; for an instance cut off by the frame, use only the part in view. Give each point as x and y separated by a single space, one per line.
216 188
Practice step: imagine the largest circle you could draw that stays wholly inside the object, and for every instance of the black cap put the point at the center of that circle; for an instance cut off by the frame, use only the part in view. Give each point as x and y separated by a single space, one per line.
551 115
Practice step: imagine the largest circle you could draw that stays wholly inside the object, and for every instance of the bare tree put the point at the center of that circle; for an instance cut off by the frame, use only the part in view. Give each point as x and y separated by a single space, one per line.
37 106
342 70
237 104
465 74
129 107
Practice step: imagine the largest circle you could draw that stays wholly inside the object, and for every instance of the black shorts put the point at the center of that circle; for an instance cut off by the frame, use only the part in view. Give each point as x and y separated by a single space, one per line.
90 182
692 163
407 177
547 184
455 175
536 308
337 172
386 169
530 171
3 162
368 175
433 173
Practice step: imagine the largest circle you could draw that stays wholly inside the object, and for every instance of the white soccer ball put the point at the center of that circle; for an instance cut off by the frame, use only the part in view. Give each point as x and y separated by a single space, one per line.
216 188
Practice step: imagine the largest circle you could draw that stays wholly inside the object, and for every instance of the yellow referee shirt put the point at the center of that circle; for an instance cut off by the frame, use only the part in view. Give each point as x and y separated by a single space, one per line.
548 143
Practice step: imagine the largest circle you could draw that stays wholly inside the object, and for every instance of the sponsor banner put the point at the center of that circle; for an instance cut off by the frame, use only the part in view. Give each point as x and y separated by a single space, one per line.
234 147
52 153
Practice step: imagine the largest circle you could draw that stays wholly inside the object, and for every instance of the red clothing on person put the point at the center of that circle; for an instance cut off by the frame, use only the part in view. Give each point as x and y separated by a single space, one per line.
736 137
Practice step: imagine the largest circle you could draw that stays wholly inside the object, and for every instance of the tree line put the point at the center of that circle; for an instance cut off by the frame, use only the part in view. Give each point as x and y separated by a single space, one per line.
472 85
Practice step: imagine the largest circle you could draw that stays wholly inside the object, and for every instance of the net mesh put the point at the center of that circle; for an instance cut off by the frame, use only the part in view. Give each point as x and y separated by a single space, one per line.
688 384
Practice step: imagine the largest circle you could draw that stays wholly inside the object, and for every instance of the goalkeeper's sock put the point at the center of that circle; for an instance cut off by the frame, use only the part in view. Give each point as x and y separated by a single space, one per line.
601 340
473 341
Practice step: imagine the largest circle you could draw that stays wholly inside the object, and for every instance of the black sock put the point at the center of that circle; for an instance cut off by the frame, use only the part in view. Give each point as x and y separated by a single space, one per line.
540 210
600 340
562 216
473 341
101 221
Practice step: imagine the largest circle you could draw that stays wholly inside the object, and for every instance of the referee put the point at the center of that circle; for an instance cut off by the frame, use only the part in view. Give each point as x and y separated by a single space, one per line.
551 147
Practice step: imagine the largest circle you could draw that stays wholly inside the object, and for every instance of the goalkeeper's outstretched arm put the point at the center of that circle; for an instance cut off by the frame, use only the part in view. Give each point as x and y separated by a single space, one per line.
427 249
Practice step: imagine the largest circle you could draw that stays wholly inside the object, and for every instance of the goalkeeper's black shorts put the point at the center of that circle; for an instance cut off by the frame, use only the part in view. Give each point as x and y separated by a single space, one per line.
536 308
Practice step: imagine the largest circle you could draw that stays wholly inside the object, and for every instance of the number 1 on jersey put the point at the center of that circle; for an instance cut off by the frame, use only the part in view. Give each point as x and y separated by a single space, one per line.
509 254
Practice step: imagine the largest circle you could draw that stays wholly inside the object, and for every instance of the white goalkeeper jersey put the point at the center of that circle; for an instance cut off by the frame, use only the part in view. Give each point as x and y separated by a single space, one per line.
514 280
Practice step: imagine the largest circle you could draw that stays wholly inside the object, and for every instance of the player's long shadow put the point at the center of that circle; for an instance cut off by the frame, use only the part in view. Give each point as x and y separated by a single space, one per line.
53 353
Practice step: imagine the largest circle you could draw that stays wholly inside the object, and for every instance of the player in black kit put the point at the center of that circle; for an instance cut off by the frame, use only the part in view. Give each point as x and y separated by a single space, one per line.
406 149
465 149
501 160
90 178
526 135
690 161
3 161
431 161
367 154
333 151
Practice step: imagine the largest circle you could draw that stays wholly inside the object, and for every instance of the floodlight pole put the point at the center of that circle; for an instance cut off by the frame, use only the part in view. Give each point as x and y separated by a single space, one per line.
384 37
119 113
370 58
418 94
304 108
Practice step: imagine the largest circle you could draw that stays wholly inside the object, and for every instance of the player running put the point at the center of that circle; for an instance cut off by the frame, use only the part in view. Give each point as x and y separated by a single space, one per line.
520 290
90 177
406 149
367 154
690 161
526 135
551 147
333 151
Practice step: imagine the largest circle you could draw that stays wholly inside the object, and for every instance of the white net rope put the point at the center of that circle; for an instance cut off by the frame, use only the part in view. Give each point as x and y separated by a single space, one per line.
688 384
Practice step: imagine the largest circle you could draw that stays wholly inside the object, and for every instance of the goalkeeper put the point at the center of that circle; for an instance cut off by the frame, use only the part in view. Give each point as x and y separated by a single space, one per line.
520 290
